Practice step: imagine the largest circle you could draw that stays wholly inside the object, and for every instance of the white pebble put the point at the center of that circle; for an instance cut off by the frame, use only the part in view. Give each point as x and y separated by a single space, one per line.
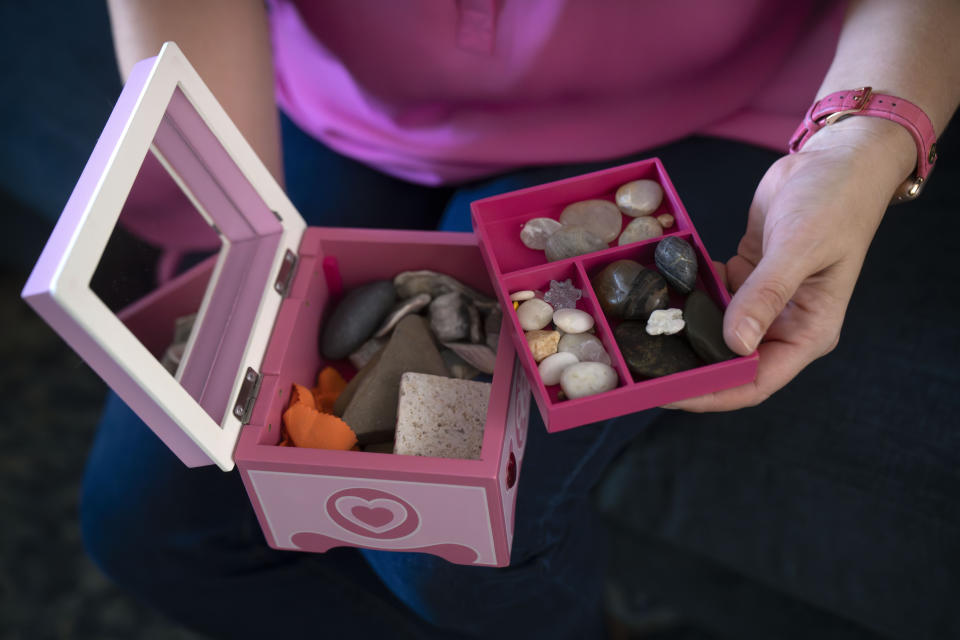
640 229
639 198
666 220
665 322
553 366
572 320
586 346
520 296
534 314
535 233
587 379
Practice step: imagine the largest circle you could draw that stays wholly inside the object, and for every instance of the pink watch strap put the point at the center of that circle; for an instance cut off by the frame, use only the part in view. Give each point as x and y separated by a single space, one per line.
864 102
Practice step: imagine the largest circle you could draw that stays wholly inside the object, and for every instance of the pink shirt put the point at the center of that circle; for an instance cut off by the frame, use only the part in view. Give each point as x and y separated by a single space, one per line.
439 91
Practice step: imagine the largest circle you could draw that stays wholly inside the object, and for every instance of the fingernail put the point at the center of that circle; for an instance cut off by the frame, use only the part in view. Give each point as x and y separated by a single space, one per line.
748 330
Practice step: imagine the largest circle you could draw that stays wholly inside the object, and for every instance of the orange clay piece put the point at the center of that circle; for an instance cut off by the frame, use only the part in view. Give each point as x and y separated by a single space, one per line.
307 427
308 420
329 385
302 395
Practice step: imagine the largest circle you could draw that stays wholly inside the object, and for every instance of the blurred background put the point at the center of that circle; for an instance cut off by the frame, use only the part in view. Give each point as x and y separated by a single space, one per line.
58 85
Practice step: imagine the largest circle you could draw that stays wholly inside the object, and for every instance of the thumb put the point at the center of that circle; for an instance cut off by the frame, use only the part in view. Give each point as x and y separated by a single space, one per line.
761 298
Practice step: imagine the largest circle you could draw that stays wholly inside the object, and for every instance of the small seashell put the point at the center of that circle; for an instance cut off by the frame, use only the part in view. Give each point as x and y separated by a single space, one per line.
403 308
411 283
479 355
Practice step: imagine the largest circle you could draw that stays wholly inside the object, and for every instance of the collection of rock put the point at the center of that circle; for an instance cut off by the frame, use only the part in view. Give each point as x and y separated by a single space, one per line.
561 340
647 333
591 225
417 342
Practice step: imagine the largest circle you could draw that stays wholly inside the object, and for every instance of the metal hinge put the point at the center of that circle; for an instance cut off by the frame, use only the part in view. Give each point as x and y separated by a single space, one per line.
243 408
285 278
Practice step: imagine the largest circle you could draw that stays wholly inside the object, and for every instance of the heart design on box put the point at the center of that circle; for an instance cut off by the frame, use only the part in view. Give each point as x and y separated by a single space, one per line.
372 513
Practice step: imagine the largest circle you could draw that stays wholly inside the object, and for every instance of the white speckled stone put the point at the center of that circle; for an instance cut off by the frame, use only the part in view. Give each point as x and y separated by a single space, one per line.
553 366
535 233
587 379
639 198
441 417
640 229
534 314
520 296
665 322
599 217
587 347
572 320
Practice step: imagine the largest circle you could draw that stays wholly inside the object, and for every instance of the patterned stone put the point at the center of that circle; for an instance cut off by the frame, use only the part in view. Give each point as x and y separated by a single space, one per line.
568 242
677 262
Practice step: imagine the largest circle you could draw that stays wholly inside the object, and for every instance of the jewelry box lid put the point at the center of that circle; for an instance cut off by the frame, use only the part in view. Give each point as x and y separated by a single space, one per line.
166 117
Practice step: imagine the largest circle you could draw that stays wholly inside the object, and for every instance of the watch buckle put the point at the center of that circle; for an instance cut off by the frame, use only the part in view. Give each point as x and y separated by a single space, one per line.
860 96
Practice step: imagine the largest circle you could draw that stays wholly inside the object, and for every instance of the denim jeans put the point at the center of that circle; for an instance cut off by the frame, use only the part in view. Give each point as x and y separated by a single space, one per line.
846 480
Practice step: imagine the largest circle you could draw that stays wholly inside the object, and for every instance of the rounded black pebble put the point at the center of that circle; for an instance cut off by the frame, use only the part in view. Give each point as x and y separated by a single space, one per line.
704 328
355 318
653 356
677 262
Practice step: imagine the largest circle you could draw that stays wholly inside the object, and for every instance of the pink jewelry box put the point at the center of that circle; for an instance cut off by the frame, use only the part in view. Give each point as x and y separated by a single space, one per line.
498 220
256 333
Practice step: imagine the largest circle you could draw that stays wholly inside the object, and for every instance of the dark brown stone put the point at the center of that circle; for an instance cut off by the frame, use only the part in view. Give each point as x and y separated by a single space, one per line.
704 328
653 356
626 290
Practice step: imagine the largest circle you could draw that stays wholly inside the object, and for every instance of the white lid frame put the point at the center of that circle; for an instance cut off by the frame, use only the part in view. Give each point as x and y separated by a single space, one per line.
59 287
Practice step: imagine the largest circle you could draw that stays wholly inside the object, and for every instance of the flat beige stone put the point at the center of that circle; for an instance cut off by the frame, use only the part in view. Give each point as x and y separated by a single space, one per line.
441 417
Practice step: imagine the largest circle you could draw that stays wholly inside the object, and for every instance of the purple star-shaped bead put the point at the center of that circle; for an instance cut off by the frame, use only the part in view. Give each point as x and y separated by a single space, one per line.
562 295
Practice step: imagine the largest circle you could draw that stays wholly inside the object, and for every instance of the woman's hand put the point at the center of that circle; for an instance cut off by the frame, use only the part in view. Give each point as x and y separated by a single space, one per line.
813 217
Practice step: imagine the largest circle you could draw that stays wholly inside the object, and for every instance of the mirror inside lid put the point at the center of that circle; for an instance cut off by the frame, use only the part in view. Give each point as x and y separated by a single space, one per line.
168 265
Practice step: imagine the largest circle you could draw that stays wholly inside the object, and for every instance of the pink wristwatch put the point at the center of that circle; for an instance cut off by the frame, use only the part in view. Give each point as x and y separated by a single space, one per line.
864 102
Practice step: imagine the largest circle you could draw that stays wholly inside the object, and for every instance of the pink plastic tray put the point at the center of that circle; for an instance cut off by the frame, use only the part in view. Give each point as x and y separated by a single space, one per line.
498 221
